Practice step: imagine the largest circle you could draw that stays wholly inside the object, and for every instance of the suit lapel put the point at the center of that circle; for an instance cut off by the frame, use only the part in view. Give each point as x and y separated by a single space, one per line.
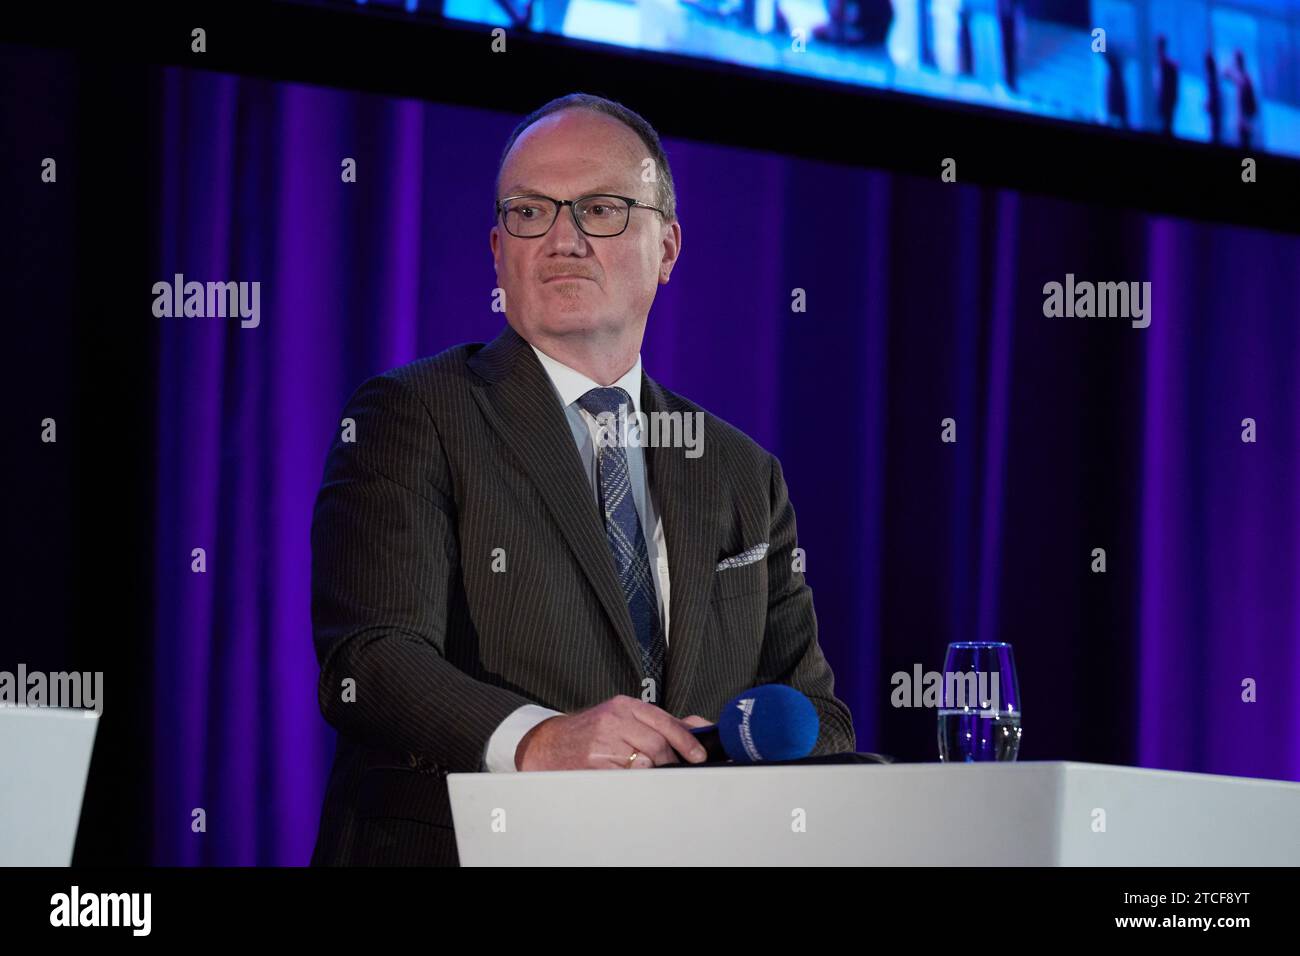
686 493
520 405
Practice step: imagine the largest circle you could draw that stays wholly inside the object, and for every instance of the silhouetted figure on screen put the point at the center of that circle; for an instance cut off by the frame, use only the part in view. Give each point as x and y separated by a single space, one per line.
925 34
1213 99
856 22
1007 20
551 19
1247 103
965 43
521 16
1116 93
1166 87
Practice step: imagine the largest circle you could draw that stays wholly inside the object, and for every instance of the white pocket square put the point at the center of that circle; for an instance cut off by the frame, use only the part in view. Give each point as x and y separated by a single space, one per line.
748 556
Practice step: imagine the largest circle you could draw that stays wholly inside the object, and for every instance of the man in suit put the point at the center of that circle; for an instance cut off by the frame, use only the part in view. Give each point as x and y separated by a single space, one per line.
507 572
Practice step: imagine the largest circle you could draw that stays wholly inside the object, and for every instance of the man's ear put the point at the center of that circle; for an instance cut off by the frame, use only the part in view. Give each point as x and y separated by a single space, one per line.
497 240
672 248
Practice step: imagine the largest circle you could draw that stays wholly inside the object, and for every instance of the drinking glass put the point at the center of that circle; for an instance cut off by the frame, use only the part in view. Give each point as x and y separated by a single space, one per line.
979 711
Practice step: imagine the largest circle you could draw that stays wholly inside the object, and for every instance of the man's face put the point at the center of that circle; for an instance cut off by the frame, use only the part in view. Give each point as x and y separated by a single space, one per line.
608 283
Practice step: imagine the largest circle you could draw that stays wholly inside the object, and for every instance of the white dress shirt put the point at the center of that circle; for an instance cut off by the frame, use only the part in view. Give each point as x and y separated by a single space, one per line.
570 385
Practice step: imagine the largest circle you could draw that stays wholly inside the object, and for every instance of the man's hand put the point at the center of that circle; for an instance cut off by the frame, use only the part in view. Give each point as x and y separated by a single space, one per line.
604 736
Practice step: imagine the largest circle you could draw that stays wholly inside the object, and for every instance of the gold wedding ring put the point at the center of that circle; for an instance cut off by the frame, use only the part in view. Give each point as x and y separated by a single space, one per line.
632 759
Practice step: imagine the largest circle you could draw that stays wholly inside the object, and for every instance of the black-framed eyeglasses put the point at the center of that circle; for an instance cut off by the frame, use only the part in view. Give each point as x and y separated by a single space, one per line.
600 215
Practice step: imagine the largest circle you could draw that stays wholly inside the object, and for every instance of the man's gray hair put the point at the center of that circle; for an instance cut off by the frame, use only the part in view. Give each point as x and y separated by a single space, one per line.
665 193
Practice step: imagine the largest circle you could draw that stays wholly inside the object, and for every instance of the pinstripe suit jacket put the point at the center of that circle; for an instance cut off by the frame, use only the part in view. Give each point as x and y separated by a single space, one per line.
424 648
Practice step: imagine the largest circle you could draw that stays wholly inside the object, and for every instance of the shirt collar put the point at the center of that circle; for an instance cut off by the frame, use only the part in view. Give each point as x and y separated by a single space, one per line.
571 385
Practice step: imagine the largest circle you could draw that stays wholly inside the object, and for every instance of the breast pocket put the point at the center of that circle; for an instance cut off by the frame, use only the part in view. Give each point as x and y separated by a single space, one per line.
738 612
738 582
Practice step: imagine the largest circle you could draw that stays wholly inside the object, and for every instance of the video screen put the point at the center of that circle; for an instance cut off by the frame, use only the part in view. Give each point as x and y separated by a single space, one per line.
1222 72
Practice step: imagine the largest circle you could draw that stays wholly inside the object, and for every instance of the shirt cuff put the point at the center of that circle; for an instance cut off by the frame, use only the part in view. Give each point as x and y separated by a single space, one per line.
500 756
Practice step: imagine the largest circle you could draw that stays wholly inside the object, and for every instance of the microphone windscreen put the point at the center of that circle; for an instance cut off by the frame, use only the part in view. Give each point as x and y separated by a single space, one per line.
771 722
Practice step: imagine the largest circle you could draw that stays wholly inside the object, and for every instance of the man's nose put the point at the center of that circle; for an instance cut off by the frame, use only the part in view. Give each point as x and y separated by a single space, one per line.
565 236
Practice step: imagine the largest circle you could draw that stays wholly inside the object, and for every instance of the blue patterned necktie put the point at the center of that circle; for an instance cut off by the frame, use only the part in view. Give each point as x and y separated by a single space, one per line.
623 533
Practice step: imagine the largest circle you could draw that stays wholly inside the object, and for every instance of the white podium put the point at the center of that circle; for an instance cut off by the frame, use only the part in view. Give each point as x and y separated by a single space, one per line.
1013 814
44 760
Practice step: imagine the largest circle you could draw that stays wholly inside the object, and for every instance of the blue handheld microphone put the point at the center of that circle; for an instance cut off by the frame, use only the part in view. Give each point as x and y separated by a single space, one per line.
770 722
